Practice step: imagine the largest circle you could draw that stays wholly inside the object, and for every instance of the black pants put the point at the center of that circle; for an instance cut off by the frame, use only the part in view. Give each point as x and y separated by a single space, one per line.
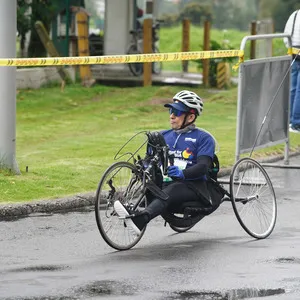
179 192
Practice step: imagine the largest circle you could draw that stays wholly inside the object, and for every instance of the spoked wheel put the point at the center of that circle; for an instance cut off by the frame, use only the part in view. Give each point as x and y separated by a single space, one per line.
181 229
156 65
121 181
253 198
135 68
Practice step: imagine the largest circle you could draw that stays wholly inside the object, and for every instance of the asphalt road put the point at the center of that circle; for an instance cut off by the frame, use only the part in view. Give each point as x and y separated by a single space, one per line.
62 256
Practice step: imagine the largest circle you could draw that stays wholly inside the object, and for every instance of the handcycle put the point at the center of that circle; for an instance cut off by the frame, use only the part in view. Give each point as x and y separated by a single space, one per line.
136 46
251 194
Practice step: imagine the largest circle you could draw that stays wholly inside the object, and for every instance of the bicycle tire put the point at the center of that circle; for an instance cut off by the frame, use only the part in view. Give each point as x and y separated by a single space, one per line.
121 182
157 65
253 198
135 68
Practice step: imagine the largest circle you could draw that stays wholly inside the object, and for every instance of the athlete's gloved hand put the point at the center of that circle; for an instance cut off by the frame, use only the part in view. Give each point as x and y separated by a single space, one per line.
174 171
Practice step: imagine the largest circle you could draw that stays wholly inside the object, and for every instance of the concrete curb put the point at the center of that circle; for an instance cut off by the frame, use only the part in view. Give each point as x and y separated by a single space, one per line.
46 206
82 200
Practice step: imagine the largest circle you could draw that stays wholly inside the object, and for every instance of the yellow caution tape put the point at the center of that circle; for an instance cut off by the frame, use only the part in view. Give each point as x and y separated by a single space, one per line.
119 59
241 60
294 51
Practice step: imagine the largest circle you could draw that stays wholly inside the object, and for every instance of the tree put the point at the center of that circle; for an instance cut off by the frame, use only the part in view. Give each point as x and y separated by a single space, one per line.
267 7
278 10
282 12
28 12
197 13
23 22
91 7
242 16
222 12
44 11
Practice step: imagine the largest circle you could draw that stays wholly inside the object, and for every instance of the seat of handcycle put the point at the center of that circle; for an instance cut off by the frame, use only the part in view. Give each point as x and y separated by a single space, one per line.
187 214
192 212
197 207
194 208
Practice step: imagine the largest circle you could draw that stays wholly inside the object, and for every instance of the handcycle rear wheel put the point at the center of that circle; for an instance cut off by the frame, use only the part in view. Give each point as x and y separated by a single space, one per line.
121 181
253 198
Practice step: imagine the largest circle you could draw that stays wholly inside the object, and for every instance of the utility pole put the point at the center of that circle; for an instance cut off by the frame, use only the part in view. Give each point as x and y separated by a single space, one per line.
8 30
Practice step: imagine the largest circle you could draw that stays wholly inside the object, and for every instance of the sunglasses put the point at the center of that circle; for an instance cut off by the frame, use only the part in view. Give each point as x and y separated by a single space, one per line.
176 112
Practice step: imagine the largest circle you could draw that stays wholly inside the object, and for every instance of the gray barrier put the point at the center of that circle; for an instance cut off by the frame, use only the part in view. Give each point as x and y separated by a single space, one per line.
263 101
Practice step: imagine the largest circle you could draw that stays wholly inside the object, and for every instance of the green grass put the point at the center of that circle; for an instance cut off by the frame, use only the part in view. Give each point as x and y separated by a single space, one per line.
168 42
67 139
171 39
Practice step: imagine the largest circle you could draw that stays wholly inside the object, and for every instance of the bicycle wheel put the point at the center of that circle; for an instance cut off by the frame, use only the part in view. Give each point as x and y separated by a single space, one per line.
253 198
135 68
121 181
157 65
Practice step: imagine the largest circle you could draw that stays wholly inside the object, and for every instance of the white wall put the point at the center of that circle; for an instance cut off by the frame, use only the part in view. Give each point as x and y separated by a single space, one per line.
119 20
118 23
34 78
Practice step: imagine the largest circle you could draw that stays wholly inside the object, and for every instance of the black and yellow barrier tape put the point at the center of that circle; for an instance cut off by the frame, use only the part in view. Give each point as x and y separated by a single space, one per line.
119 59
296 51
293 51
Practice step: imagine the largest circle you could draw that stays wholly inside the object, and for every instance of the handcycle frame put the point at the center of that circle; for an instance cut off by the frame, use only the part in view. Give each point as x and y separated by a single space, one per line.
250 188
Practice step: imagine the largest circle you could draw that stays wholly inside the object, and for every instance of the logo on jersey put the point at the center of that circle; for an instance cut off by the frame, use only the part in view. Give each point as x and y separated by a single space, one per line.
187 154
188 139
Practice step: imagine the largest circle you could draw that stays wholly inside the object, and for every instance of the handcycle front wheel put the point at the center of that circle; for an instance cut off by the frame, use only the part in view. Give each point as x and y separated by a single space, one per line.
121 181
253 198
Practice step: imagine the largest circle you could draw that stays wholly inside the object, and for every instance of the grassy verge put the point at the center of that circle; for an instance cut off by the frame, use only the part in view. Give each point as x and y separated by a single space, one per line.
67 139
170 41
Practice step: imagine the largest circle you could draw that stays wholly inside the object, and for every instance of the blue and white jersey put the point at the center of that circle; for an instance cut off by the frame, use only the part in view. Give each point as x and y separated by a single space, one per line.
188 146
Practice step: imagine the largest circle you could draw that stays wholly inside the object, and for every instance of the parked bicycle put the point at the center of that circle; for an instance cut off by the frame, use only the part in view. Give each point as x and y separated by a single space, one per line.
136 47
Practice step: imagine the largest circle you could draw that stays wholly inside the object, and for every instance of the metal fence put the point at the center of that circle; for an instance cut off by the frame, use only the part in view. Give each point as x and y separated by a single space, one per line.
263 101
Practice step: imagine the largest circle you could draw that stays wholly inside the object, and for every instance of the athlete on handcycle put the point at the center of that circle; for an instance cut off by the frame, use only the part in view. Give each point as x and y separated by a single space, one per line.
193 152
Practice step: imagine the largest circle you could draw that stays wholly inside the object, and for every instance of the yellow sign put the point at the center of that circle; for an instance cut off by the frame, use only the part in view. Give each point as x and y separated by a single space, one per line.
119 59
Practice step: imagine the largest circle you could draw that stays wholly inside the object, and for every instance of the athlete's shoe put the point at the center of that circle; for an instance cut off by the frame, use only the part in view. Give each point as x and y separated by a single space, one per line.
124 214
295 128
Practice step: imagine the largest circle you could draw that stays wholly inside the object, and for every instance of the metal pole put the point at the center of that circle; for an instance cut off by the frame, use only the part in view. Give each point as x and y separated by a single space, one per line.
8 29
238 119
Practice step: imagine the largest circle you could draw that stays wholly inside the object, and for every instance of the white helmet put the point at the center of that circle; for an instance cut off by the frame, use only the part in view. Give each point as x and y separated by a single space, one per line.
190 99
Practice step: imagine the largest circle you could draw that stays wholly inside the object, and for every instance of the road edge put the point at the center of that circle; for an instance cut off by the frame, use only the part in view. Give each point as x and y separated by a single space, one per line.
83 200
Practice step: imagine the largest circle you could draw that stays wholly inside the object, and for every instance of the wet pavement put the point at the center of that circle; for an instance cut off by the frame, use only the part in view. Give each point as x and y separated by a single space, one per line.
62 256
